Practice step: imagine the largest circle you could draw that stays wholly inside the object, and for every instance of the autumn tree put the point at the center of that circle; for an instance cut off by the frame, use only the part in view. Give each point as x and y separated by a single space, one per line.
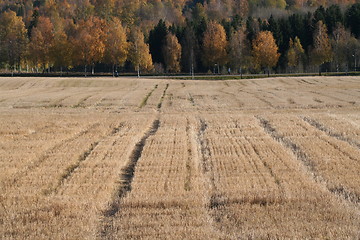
295 52
84 10
346 48
61 51
265 50
41 42
214 45
139 53
267 3
172 53
104 8
241 8
217 9
126 10
12 39
321 52
89 42
340 45
116 45
239 49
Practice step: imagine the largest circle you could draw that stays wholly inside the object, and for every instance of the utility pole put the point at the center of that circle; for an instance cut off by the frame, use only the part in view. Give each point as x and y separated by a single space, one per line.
355 62
354 55
192 64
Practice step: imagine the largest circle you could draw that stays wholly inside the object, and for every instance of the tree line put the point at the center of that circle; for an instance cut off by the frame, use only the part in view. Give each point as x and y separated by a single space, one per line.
200 36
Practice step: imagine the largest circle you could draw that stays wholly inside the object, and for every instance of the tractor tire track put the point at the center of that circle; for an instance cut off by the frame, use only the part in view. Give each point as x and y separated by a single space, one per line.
214 200
330 132
85 156
300 155
37 163
146 98
162 97
126 178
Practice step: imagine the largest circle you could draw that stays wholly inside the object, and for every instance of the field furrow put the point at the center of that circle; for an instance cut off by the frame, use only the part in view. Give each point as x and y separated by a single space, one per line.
337 128
133 158
161 198
334 161
261 185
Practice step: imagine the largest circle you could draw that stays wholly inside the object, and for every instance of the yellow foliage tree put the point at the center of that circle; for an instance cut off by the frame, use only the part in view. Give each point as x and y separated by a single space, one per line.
214 45
172 53
321 52
265 50
12 39
295 52
139 53
41 42
62 50
116 45
89 42
104 8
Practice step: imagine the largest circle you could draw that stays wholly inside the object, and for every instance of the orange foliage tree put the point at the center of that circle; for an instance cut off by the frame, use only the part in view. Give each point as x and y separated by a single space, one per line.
172 53
265 50
89 42
41 42
12 39
62 50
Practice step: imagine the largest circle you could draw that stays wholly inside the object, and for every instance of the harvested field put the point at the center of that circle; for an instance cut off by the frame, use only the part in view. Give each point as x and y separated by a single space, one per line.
125 158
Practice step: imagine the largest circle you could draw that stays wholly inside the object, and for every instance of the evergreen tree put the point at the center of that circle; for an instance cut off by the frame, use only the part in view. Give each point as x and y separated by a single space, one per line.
190 50
252 28
352 17
157 38
333 17
273 27
319 15
33 22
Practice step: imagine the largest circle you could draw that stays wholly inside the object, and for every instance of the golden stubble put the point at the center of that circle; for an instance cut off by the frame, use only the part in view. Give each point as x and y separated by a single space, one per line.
125 158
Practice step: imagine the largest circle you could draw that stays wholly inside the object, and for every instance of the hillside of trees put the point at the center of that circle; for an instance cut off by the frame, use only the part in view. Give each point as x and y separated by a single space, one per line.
171 36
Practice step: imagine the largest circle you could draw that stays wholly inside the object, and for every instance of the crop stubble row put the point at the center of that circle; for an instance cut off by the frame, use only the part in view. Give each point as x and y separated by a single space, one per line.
219 163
